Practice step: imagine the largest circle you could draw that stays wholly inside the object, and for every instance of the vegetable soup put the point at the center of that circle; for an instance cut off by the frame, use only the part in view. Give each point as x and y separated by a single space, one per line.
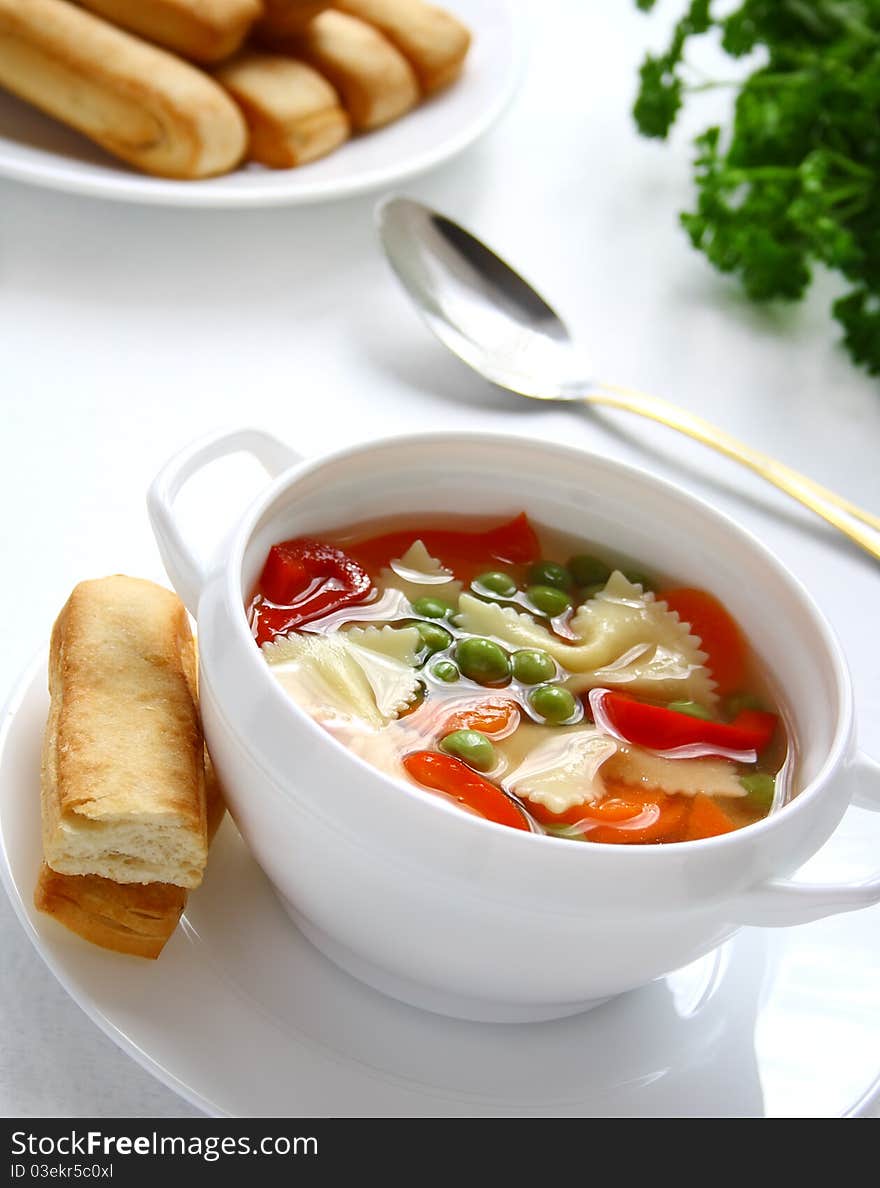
527 678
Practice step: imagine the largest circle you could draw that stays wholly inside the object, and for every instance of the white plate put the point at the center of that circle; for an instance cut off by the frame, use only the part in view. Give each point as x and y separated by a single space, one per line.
241 1016
36 149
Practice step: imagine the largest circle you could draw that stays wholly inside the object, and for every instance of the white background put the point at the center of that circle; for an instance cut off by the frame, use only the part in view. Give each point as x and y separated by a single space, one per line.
125 331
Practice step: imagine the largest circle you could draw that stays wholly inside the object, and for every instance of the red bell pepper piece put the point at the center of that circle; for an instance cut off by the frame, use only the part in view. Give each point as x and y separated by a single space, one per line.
511 543
514 543
458 783
662 729
303 580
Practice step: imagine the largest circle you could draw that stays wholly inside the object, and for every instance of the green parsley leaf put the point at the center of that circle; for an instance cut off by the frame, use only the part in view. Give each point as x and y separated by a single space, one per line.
794 179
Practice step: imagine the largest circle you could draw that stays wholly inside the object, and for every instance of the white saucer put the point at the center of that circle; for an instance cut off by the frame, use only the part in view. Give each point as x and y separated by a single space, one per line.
39 150
242 1016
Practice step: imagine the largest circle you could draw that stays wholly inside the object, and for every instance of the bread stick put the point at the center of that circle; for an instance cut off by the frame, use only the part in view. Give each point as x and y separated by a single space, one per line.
123 788
281 18
146 106
205 32
293 114
374 79
135 918
433 42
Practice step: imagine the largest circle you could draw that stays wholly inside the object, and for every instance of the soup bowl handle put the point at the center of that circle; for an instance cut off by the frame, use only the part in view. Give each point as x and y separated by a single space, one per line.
780 902
186 570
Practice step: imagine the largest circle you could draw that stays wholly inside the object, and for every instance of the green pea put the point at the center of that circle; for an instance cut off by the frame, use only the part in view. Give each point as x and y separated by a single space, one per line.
589 571
531 666
496 582
742 701
548 600
554 703
693 709
587 592
434 637
432 608
471 747
445 670
548 573
638 578
760 787
483 661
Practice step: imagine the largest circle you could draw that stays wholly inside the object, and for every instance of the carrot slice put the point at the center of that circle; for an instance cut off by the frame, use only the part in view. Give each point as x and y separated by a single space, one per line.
627 816
706 819
465 789
611 811
718 631
495 717
660 819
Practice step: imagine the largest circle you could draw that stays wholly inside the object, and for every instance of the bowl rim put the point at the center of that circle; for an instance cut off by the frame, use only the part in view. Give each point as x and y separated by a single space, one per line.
844 728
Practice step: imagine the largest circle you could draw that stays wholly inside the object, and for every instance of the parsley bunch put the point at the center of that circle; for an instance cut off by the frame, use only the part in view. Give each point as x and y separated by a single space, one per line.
795 178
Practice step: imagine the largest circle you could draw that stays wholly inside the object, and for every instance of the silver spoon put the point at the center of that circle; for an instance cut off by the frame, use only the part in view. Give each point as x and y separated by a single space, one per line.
496 323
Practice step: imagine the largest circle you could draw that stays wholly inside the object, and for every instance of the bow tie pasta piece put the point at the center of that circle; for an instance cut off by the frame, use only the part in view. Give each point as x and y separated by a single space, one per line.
342 683
417 574
395 685
392 604
638 768
656 655
510 626
563 770
623 616
626 637
320 672
397 643
654 671
386 749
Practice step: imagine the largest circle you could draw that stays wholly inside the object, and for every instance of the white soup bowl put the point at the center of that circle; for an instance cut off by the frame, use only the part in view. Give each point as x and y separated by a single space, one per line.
430 904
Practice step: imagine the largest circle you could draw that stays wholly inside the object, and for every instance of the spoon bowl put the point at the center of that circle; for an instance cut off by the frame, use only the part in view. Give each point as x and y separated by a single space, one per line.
499 325
478 307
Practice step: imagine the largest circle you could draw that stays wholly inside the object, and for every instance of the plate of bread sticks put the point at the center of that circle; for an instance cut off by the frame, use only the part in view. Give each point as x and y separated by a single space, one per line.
246 102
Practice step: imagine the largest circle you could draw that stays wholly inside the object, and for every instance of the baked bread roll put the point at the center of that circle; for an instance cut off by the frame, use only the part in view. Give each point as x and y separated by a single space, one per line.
292 112
283 17
146 106
123 784
135 918
374 79
205 30
433 42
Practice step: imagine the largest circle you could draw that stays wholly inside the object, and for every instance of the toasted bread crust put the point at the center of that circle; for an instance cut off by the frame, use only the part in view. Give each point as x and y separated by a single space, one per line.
284 17
292 112
204 30
134 918
375 81
434 43
139 102
123 788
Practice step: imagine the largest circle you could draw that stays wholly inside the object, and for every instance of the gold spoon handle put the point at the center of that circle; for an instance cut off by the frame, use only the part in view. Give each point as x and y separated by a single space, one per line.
860 526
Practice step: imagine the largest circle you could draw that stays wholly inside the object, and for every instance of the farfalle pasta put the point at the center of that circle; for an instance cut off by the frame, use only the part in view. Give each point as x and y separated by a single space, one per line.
527 680
621 636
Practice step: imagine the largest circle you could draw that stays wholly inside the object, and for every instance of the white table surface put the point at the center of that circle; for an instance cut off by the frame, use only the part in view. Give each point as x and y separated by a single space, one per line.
126 331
